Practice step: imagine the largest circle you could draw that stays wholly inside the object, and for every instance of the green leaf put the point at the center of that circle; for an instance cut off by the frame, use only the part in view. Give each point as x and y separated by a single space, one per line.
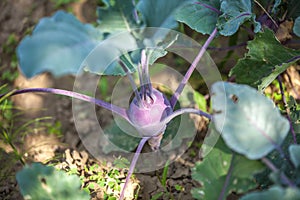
44 182
59 44
234 14
294 151
265 60
199 17
201 101
214 168
117 16
119 138
274 193
296 27
157 13
242 114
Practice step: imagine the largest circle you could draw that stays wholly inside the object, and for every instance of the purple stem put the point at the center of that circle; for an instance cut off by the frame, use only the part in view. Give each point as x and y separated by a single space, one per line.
243 14
279 78
185 110
209 7
188 74
118 110
133 85
132 165
228 176
272 167
135 13
145 72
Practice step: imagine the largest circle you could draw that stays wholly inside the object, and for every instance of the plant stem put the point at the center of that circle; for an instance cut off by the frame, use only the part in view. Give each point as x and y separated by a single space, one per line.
188 74
185 110
272 167
145 74
116 109
270 17
132 165
228 176
279 78
133 85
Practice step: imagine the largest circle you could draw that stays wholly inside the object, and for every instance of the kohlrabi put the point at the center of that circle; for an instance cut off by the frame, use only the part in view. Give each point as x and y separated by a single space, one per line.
150 110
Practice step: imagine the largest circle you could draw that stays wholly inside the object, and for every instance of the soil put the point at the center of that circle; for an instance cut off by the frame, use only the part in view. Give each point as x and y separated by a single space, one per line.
65 150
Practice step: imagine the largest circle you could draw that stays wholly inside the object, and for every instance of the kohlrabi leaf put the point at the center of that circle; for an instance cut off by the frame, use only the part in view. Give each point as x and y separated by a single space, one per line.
44 182
242 114
157 13
204 16
198 16
296 27
104 59
294 151
117 16
220 164
264 61
274 193
234 14
58 44
119 138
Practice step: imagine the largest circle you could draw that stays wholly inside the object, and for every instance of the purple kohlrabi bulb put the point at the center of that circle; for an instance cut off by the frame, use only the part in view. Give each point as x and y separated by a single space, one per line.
147 115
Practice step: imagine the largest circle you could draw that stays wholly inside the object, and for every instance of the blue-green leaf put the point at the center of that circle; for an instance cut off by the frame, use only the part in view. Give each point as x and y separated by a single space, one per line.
158 13
242 114
294 151
220 164
296 27
235 13
264 61
199 17
58 45
274 193
118 15
44 182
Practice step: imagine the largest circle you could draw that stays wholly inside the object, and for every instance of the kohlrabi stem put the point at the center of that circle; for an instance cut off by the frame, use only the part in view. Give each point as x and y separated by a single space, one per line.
272 167
228 176
185 110
133 85
118 110
132 165
279 78
188 74
145 74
